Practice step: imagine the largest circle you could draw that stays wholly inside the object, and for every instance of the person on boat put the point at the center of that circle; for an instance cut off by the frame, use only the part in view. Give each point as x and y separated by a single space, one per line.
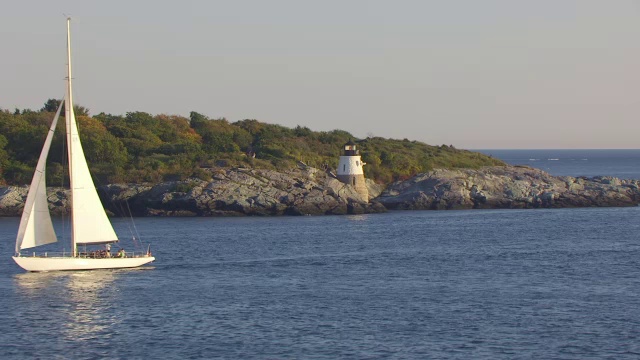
107 251
121 253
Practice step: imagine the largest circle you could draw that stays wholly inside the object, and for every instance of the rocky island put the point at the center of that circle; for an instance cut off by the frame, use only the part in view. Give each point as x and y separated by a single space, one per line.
310 191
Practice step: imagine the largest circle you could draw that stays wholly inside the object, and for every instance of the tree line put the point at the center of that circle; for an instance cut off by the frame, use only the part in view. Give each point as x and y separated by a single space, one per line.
142 148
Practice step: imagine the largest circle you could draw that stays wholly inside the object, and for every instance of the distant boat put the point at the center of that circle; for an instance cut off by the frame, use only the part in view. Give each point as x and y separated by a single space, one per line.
90 225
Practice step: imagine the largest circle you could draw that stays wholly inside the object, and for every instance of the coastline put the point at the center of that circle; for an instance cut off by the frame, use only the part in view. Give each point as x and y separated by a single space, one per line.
310 191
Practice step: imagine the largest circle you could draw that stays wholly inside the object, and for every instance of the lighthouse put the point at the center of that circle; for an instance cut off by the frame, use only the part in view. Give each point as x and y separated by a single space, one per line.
350 169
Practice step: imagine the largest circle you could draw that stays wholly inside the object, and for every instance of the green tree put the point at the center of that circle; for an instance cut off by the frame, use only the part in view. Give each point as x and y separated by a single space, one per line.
217 135
51 105
140 147
99 145
4 158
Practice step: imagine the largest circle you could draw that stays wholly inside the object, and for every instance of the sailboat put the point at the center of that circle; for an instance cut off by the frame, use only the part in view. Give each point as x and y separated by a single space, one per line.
89 222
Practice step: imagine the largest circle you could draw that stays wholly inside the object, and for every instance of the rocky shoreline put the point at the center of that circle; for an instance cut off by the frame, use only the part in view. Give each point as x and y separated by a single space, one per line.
309 191
231 192
507 187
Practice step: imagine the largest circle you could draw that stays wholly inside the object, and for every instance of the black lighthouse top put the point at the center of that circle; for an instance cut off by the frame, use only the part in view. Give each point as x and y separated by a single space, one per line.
350 149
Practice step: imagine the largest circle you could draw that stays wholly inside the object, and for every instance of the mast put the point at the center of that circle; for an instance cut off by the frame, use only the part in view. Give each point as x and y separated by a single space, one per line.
68 113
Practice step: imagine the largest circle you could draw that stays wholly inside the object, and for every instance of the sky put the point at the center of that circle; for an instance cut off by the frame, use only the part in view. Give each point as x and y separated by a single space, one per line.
490 74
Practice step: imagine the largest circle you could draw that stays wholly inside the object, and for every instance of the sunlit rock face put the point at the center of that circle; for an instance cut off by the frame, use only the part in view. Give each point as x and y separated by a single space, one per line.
231 192
506 187
309 191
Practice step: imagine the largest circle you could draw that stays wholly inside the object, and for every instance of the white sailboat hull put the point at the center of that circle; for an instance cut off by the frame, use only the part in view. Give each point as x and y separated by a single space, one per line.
69 263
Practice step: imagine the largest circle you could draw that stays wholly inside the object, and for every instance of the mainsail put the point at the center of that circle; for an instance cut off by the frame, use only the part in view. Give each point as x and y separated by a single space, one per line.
89 222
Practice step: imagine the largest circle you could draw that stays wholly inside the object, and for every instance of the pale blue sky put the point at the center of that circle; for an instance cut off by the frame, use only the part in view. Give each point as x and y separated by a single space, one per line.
475 74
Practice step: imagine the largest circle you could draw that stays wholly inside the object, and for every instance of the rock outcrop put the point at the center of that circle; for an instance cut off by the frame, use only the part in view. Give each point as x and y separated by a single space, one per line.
232 192
506 187
309 191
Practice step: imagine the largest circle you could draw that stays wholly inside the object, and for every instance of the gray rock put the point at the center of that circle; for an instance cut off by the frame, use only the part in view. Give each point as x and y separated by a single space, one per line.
506 187
232 192
12 200
308 191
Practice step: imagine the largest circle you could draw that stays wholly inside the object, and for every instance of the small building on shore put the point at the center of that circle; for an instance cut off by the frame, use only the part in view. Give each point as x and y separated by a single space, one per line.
350 169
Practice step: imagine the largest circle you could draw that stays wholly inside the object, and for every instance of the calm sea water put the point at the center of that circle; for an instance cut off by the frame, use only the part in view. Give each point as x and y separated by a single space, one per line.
479 284
624 164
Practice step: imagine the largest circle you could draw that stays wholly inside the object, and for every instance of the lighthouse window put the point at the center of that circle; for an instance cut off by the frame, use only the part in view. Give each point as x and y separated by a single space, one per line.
354 181
344 167
357 163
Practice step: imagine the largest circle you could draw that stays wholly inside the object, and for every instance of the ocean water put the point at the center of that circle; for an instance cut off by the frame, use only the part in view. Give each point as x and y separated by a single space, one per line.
624 164
485 284
477 284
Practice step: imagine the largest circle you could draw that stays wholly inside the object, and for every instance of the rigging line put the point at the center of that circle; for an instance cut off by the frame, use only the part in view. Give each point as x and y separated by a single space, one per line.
117 206
119 209
134 225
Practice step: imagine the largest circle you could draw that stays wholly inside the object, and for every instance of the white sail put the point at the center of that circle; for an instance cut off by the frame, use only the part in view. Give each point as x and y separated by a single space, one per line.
89 222
35 226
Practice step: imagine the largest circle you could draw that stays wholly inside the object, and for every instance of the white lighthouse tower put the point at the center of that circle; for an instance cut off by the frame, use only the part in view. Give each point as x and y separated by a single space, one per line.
350 169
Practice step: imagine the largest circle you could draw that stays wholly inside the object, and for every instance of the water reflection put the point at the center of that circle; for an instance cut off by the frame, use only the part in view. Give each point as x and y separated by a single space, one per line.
33 284
357 217
82 303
